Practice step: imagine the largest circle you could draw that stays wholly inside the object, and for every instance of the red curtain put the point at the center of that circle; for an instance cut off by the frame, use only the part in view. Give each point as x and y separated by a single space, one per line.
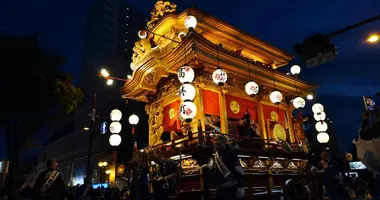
237 107
280 112
171 121
211 103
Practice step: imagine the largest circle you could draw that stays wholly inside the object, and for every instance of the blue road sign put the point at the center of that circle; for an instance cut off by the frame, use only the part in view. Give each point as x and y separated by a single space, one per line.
103 128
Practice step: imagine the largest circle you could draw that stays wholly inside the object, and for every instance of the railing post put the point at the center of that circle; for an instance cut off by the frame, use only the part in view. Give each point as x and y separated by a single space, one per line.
200 133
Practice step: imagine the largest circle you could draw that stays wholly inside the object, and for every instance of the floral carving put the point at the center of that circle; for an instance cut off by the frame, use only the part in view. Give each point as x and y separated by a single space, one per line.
163 42
141 48
155 122
150 79
161 8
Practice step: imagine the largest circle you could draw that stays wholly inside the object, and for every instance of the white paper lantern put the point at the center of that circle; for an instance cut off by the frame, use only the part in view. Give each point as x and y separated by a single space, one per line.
317 108
142 34
114 140
251 88
295 70
321 126
320 116
323 137
133 66
276 97
116 115
188 110
299 102
219 76
133 119
186 74
115 127
190 22
187 92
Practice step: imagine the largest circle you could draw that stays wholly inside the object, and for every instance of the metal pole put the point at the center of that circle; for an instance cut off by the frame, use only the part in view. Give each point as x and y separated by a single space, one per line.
93 117
343 30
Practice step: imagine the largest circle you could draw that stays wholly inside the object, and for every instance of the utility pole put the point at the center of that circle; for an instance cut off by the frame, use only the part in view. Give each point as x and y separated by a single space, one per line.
93 115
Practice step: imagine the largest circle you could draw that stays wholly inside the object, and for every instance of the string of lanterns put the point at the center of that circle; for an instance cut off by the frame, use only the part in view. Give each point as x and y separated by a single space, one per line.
321 126
187 110
115 127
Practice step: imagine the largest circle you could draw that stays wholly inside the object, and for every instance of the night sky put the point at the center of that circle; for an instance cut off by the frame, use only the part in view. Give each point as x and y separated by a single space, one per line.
354 73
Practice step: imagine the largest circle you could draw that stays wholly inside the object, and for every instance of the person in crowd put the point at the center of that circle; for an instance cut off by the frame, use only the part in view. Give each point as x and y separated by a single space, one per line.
214 124
85 191
369 130
138 187
21 190
333 178
164 177
227 170
49 184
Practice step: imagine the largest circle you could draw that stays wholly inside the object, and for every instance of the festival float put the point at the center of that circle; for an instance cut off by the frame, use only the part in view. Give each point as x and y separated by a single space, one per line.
192 68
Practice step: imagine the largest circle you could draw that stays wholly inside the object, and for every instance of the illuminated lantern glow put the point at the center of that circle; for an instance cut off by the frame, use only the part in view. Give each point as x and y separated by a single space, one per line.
321 126
219 77
116 115
349 157
115 127
323 137
317 108
295 70
186 74
320 116
188 110
190 22
114 140
120 169
310 97
181 35
299 102
187 92
142 34
276 97
132 66
133 119
251 88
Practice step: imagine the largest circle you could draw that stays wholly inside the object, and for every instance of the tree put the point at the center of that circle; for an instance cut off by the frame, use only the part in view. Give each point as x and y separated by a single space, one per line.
35 90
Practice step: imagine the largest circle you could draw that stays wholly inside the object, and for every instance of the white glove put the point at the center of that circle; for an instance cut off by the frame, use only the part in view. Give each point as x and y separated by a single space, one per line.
240 193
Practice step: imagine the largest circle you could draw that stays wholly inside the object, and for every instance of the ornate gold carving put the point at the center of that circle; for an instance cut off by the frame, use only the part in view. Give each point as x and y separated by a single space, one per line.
150 79
161 8
163 41
141 48
155 122
168 87
297 131
172 113
235 107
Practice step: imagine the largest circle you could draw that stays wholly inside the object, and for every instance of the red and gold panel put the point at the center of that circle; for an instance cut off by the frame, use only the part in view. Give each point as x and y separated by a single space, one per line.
171 120
276 123
211 103
237 107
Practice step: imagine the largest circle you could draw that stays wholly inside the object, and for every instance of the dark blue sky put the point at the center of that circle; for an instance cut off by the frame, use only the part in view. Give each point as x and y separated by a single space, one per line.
354 73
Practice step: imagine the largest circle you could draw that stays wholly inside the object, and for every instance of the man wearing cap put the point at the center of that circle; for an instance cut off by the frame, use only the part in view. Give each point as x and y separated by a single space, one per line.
228 172
49 184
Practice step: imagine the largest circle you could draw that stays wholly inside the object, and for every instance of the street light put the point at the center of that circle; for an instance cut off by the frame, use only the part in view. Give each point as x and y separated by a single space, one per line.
102 164
109 82
110 79
86 128
373 38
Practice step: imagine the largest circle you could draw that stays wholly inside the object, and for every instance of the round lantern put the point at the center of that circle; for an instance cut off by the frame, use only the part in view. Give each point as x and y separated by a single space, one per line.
188 110
251 88
186 74
349 157
114 140
120 169
115 127
320 116
219 77
323 137
299 102
116 115
321 126
142 34
187 92
133 119
133 66
317 108
276 97
190 22
295 70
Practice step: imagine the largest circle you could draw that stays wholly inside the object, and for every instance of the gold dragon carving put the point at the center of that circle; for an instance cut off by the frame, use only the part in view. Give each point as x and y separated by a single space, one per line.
141 48
161 8
156 128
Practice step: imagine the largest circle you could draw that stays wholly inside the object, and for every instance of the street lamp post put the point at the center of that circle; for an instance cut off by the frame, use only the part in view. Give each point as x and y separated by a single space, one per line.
115 138
93 116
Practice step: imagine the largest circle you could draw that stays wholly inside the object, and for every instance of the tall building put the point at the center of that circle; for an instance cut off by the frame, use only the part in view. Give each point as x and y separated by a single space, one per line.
110 33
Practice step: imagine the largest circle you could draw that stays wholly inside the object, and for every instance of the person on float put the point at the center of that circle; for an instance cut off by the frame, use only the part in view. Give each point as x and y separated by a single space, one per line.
227 170
49 184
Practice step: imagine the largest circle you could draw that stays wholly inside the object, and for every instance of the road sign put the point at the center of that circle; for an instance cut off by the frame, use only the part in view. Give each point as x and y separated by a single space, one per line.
103 128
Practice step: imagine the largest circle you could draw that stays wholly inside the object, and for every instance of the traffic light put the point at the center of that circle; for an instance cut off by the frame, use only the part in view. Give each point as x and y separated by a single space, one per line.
316 50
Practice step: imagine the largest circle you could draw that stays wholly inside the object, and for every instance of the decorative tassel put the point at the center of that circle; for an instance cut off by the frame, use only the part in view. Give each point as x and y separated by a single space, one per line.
133 130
